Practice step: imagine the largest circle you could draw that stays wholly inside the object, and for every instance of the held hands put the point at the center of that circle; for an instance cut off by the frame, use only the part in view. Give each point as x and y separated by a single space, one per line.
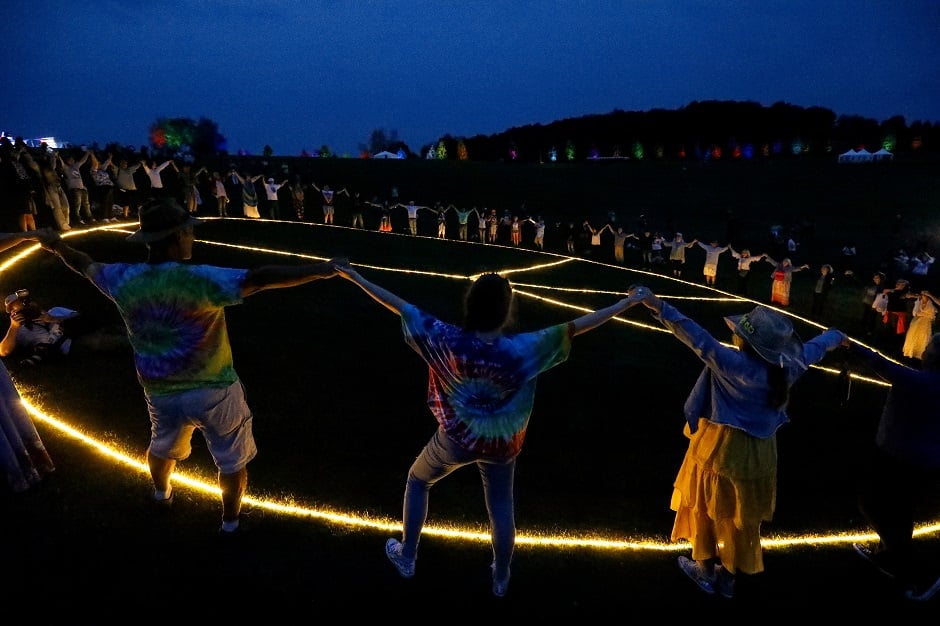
336 265
641 294
341 267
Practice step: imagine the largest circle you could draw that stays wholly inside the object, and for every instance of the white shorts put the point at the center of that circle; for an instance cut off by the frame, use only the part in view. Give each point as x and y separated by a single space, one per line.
220 414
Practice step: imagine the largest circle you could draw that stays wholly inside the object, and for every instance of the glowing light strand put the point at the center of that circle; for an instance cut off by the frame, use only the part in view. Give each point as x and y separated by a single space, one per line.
206 485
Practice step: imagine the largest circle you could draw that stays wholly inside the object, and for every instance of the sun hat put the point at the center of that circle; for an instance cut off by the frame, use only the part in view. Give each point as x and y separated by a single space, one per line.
770 334
161 218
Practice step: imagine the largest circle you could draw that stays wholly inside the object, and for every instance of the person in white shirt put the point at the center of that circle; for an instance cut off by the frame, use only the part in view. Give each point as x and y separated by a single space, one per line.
154 171
272 204
79 202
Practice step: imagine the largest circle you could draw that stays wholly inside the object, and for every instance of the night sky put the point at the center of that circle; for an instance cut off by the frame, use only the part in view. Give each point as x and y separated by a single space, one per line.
298 75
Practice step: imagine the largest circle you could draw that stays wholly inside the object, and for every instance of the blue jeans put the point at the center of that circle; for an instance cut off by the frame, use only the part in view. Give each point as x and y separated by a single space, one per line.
439 458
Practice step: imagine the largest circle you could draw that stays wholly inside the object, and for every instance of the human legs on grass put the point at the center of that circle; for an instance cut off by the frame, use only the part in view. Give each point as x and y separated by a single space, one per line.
498 480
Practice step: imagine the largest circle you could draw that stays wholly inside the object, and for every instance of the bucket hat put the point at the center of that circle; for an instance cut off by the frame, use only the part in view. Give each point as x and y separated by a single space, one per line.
161 218
770 334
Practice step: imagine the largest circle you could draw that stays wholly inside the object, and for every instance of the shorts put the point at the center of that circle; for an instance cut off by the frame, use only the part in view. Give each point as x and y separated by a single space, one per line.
710 270
220 414
327 209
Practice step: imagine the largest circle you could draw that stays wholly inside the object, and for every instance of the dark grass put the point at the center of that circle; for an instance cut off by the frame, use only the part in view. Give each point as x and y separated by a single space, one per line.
340 415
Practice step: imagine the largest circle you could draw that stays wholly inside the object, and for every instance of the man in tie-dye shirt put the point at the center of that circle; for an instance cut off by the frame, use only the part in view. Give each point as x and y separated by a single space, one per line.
175 317
481 390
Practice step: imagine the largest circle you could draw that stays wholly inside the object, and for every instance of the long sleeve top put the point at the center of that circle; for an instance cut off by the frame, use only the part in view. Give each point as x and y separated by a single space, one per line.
745 262
677 248
712 253
734 387
909 427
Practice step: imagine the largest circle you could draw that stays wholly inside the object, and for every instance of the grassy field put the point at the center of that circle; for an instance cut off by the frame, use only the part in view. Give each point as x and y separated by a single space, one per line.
340 414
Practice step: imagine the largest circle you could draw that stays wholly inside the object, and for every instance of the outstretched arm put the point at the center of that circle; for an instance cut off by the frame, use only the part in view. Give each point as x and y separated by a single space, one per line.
8 240
381 295
280 276
75 260
595 319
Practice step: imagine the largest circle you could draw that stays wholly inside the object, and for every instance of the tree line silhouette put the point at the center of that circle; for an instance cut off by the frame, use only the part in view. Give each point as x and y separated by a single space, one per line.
703 130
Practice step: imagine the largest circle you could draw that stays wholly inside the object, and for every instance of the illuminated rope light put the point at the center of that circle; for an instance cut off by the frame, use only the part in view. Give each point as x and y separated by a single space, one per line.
207 485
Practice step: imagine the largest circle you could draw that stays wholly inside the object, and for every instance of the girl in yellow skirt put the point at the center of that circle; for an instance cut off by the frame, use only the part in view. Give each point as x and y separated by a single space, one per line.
727 484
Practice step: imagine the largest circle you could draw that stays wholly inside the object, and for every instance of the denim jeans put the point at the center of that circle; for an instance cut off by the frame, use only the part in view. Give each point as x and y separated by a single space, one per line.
439 458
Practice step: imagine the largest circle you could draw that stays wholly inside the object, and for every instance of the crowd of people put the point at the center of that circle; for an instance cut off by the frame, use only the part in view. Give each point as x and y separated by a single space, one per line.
725 487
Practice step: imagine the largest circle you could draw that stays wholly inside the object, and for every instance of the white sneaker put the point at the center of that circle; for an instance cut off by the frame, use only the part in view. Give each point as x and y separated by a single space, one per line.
871 556
405 567
500 587
693 571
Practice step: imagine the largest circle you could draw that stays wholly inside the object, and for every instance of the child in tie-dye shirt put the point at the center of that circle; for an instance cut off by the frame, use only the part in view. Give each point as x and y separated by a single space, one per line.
481 391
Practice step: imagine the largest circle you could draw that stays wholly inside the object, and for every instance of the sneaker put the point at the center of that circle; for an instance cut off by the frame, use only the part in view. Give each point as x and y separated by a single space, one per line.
405 567
725 582
872 557
500 587
922 595
163 506
693 571
248 520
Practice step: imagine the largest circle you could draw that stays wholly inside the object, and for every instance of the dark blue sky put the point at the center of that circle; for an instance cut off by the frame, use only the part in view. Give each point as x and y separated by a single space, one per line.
301 74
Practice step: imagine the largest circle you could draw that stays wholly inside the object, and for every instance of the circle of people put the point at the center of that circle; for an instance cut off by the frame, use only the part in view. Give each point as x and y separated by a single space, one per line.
481 392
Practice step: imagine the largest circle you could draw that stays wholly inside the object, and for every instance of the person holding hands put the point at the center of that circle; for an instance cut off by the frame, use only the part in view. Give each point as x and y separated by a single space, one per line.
175 317
481 392
903 467
727 483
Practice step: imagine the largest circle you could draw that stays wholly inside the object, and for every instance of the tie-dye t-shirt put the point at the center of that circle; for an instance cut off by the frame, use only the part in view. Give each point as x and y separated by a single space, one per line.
175 317
482 393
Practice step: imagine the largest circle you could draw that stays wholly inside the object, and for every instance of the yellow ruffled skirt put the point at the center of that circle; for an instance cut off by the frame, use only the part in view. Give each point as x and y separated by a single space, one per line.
726 487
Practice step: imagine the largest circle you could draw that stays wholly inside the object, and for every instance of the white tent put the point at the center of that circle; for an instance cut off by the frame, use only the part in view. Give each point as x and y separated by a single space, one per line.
882 155
847 156
856 156
385 154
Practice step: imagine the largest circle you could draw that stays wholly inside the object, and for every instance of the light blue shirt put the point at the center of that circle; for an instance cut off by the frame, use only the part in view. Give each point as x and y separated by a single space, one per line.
734 387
